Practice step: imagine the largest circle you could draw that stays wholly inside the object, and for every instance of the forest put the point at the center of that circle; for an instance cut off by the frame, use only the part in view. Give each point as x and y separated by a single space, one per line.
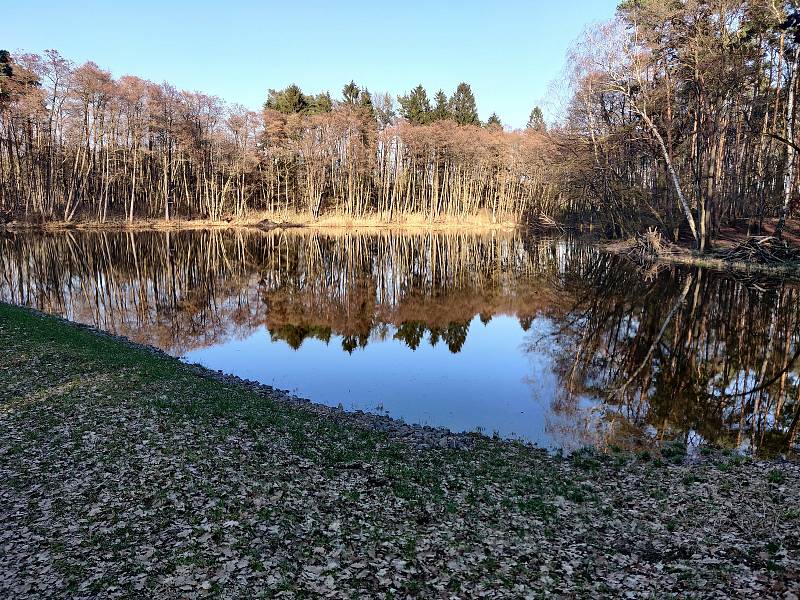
682 115
77 144
679 115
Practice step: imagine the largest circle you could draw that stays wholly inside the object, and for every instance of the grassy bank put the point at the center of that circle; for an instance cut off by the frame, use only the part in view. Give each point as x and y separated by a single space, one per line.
128 474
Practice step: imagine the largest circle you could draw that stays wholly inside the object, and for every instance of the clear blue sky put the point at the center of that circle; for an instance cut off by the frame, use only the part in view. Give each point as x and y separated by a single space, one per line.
508 51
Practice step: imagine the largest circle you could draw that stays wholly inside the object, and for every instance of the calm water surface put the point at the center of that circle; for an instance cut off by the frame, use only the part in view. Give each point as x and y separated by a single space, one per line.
551 341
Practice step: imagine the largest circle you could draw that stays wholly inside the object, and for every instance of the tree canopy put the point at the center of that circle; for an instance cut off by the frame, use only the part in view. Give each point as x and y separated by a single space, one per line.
494 121
462 106
686 113
441 110
415 107
536 120
84 145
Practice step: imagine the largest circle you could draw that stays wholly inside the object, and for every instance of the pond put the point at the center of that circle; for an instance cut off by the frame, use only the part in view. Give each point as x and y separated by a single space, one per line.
551 341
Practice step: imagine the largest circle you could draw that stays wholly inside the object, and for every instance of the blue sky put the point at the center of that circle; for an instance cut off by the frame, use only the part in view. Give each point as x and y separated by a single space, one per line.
508 51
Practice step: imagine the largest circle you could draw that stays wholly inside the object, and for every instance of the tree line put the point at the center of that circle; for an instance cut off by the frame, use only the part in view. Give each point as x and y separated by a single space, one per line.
679 115
79 144
682 115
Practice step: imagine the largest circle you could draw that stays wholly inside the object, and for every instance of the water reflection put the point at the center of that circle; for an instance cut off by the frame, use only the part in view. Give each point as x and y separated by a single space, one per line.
556 342
687 353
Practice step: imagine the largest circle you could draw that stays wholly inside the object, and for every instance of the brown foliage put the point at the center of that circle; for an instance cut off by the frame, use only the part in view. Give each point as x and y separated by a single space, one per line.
77 144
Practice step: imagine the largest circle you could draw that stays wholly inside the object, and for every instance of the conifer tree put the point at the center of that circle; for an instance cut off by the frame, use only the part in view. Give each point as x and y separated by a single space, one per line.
321 103
350 93
6 71
365 102
287 101
462 106
415 106
441 111
536 120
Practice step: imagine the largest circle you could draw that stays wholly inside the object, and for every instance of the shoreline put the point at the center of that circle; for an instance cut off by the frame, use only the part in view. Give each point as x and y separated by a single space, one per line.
269 222
128 472
687 257
420 436
334 225
417 435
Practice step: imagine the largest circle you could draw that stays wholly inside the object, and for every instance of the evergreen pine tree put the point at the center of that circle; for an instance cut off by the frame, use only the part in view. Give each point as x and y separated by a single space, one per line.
536 120
462 106
441 111
494 121
415 106
365 103
350 93
321 103
6 71
288 101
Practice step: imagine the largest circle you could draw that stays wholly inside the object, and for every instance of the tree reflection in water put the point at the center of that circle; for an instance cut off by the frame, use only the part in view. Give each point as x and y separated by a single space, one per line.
689 353
681 352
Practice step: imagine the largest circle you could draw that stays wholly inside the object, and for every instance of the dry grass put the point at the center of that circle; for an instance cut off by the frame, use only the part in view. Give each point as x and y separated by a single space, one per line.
481 221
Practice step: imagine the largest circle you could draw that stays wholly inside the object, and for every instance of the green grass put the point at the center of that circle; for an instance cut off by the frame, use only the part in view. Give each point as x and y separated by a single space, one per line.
107 448
80 354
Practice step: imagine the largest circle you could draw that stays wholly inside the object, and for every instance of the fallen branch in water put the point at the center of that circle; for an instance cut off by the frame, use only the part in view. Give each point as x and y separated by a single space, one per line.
543 221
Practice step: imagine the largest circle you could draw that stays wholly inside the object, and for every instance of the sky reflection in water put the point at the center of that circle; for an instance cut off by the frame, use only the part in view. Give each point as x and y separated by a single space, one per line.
492 383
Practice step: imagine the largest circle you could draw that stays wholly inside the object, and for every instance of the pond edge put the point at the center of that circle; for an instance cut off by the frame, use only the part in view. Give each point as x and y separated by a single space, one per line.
416 435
